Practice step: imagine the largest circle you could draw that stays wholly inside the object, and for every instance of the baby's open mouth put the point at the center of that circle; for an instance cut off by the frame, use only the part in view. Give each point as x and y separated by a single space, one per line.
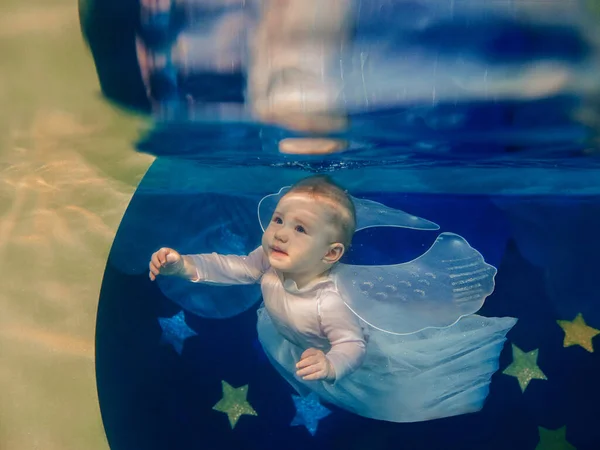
278 251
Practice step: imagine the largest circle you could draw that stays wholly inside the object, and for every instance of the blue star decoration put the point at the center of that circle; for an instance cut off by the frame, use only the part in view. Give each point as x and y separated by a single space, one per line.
308 412
175 331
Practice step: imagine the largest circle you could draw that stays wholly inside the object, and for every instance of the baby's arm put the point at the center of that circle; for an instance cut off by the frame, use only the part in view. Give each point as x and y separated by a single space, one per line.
348 346
343 330
226 269
210 268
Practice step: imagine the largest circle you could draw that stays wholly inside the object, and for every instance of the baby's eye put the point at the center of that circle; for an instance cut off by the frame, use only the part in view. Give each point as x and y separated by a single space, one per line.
277 220
300 229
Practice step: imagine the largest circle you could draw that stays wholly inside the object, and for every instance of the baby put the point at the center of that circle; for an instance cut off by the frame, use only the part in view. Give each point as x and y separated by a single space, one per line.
310 230
316 341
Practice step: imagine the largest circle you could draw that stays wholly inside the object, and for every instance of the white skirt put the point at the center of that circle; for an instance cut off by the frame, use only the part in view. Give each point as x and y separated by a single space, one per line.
427 375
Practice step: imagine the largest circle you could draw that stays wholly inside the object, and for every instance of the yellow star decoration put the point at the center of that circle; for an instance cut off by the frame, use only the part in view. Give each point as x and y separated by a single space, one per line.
524 367
234 403
577 332
553 440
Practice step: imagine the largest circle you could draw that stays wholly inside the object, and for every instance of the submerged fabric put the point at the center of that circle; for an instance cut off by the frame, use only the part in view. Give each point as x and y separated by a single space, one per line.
426 375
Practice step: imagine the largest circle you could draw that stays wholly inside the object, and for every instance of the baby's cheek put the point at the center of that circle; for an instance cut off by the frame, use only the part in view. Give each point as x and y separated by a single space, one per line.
265 240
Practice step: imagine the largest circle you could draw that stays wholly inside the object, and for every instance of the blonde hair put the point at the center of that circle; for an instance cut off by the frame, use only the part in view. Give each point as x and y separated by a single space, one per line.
342 211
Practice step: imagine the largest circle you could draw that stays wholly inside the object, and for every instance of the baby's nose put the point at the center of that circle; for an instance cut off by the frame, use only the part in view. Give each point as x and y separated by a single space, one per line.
281 236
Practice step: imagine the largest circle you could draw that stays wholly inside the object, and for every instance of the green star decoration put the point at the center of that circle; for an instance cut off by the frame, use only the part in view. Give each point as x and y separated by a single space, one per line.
234 403
524 367
553 440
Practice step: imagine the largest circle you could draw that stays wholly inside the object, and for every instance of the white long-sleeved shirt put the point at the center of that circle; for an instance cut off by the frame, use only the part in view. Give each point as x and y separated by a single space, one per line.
312 317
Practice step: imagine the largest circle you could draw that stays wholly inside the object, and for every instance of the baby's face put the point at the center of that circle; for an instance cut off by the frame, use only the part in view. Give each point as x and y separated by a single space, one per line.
299 235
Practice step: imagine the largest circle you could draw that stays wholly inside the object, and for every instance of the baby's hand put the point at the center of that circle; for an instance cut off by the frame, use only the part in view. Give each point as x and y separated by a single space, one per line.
314 365
165 261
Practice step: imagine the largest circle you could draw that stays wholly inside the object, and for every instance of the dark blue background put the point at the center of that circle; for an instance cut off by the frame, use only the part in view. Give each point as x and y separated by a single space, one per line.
153 398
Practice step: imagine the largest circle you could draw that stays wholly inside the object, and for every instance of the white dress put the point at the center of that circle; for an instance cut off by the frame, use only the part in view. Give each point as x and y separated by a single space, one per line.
433 373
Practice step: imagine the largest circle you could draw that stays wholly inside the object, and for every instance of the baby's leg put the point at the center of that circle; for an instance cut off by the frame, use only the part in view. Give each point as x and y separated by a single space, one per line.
295 48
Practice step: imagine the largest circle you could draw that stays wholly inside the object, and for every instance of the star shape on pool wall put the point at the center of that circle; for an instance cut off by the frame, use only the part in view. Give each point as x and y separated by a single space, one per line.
577 332
175 331
234 403
524 367
308 412
553 439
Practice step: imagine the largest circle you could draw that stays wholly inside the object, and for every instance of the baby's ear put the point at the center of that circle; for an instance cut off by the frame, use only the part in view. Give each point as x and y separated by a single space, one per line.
335 253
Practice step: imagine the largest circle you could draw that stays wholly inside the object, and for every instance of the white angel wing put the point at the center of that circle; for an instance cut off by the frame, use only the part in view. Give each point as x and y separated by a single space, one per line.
449 281
368 214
